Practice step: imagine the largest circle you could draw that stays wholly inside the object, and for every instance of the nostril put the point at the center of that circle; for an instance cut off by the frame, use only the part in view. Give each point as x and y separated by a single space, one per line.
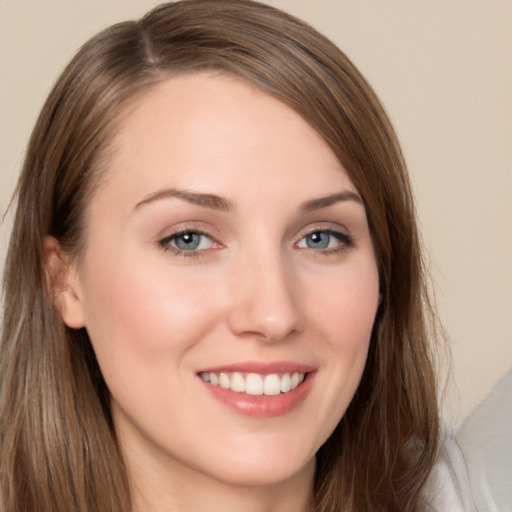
265 303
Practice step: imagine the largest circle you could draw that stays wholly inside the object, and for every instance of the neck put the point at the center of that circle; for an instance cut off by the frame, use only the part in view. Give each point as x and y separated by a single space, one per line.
163 489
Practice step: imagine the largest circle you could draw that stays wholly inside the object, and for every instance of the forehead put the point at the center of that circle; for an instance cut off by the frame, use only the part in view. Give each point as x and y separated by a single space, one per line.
194 130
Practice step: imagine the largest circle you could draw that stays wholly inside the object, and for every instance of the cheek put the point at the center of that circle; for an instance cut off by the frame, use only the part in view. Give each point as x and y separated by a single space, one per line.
141 318
346 303
343 315
356 312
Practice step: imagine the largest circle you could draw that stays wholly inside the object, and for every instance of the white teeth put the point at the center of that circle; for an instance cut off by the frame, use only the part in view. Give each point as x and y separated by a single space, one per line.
237 382
296 379
272 385
224 381
286 383
254 383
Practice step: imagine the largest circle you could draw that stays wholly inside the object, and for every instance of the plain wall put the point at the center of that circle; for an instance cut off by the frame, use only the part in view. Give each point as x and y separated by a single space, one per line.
443 70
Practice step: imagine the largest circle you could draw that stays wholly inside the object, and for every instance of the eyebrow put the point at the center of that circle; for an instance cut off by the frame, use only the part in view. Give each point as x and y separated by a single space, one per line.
211 201
215 202
324 202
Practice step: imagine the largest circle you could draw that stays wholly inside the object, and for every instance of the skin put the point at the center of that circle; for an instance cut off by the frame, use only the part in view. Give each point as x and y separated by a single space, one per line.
254 290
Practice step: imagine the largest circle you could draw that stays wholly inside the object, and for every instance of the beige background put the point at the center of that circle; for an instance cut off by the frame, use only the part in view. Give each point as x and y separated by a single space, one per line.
444 72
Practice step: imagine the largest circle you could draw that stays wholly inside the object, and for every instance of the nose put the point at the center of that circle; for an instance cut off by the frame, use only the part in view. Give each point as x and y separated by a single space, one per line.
265 300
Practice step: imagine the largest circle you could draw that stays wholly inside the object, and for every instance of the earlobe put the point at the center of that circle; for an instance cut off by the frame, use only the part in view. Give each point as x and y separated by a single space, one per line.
63 284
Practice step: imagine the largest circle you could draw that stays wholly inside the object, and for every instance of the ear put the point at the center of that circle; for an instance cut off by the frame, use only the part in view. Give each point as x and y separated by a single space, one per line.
63 284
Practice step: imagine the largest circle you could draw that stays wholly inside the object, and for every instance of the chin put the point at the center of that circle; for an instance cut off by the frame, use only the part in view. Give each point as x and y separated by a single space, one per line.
272 472
264 464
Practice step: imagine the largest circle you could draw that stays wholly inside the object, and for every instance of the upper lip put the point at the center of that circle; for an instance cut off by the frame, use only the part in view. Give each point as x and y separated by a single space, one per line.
261 367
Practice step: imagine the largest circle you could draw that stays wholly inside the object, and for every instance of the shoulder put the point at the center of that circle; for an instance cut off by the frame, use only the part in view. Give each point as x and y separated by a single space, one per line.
447 487
474 469
485 438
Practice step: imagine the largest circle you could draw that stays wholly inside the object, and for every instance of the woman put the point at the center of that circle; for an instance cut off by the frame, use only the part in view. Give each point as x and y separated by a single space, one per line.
215 291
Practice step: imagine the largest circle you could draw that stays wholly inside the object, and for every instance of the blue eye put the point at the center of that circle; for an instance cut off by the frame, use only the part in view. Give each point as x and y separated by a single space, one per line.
187 241
325 239
318 240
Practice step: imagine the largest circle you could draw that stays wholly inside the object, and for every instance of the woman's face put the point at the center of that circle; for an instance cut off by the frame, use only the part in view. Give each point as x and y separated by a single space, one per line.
226 249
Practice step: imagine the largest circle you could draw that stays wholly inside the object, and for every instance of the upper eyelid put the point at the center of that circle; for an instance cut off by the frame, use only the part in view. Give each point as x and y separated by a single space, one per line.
325 226
187 227
333 232
181 231
177 233
192 227
323 229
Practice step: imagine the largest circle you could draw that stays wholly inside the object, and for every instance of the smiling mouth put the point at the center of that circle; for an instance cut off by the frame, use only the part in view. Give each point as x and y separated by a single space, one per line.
255 384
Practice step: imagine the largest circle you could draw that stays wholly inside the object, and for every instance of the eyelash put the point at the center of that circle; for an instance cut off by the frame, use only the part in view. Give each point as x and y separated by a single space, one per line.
165 243
346 242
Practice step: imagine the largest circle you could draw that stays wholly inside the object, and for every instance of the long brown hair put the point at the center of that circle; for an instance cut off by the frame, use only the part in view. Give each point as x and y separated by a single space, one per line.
58 449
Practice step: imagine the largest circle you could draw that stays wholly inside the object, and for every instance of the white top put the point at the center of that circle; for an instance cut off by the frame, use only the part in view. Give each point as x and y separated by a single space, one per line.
485 439
474 473
447 488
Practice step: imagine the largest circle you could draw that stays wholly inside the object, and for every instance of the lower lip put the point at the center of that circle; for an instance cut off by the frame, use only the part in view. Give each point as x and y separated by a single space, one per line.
263 406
